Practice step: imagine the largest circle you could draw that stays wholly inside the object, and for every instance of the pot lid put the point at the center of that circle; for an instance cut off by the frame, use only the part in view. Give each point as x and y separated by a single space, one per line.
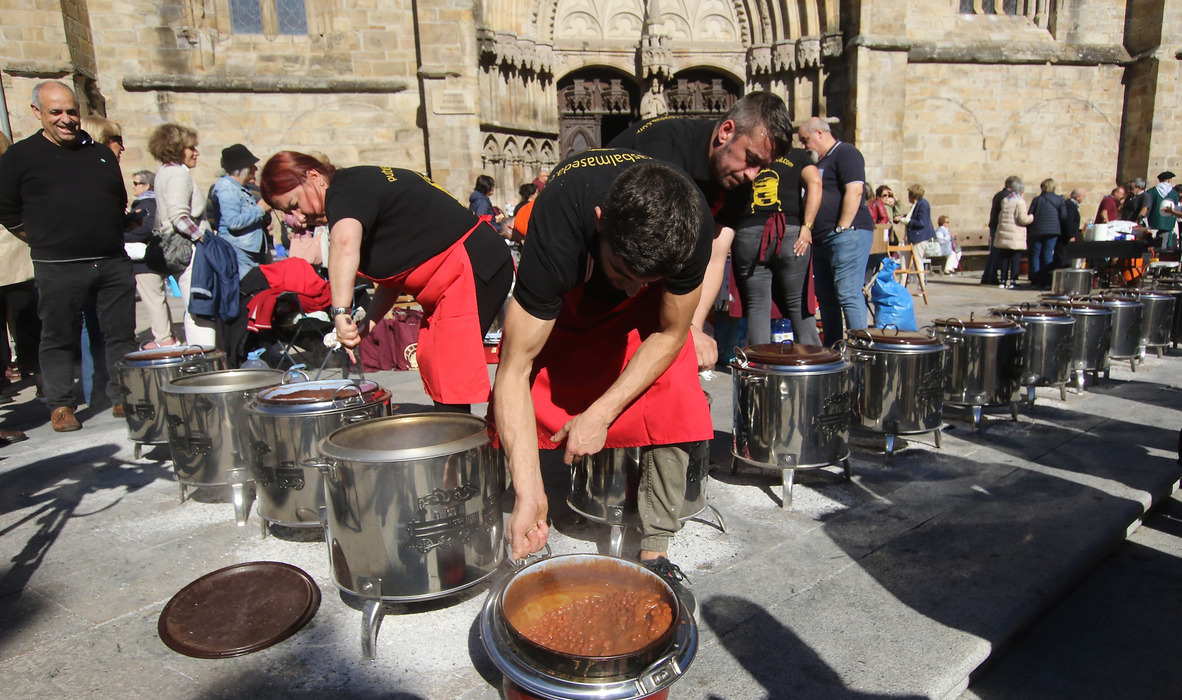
791 355
1119 300
225 381
406 437
1033 313
320 391
175 353
238 610
978 326
1082 307
890 338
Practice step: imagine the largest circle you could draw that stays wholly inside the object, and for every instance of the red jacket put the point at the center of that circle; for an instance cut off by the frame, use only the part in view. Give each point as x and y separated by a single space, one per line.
290 275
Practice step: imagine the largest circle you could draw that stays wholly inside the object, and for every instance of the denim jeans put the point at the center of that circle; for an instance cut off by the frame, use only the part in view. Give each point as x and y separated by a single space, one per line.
1042 253
781 278
64 288
839 270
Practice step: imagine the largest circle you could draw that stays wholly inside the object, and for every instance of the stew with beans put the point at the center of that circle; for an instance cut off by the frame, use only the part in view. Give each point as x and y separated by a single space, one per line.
608 624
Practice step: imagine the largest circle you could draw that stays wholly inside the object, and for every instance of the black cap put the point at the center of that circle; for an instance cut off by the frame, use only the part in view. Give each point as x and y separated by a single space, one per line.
237 157
1167 175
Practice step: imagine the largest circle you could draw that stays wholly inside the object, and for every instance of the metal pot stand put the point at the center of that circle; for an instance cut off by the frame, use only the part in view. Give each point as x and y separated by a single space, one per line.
788 468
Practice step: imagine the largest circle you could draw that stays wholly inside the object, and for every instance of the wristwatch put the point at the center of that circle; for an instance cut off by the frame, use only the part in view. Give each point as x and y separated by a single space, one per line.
340 310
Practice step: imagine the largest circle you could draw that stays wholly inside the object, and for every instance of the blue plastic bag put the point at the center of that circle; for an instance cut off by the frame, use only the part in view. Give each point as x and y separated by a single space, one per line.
892 302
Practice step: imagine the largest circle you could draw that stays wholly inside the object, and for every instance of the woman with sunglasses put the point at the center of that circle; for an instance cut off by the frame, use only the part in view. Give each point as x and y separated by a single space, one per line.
150 284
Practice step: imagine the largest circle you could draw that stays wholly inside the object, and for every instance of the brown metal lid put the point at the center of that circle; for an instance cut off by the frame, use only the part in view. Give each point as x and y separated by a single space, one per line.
1081 307
1032 313
892 336
319 392
173 353
977 324
791 354
238 610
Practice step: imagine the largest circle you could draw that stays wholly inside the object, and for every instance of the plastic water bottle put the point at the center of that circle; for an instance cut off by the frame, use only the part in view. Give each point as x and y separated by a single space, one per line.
254 360
782 331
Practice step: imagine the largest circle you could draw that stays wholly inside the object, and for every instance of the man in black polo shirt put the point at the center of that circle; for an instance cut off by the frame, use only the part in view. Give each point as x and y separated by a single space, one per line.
63 194
595 351
720 156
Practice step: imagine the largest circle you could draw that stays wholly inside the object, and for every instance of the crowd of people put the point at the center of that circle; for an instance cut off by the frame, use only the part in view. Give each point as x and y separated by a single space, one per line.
621 254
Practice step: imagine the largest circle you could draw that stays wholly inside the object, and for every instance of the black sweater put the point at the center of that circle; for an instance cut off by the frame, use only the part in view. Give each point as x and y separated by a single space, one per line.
69 201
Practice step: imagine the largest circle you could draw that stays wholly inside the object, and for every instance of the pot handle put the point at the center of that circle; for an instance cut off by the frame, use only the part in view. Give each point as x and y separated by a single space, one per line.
519 564
355 417
295 371
657 675
193 369
741 357
327 468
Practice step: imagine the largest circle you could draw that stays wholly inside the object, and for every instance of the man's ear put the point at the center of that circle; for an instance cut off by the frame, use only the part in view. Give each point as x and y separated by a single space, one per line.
726 130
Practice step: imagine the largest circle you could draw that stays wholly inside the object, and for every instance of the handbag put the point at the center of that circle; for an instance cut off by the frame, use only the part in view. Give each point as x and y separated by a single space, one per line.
178 251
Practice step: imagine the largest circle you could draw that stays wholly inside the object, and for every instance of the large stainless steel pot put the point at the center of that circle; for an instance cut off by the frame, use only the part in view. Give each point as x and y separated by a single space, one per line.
285 423
532 671
1091 337
414 509
899 380
206 416
1070 280
1126 327
1046 346
143 374
604 488
791 408
1157 318
1174 291
984 363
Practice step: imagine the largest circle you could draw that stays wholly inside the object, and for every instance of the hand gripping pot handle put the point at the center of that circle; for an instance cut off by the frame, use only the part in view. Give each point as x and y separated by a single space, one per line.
519 564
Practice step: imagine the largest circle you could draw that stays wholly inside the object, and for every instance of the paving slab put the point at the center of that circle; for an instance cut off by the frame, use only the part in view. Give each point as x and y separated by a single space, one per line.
897 583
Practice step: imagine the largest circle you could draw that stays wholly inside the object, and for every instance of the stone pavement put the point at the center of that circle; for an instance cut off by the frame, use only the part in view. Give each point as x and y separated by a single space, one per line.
899 583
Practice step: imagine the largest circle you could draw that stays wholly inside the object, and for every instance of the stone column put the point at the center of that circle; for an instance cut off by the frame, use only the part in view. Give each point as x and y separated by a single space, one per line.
448 87
1151 131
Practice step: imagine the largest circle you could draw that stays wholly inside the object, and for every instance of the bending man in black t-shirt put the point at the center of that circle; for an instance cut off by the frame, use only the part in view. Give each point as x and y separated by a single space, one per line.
720 156
595 348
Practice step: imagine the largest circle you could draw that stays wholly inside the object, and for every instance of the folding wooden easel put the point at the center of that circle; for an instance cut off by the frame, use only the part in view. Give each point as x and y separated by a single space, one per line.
913 268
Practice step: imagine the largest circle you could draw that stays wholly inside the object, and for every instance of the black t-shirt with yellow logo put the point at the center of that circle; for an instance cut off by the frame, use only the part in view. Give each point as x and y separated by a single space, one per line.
406 219
777 189
562 249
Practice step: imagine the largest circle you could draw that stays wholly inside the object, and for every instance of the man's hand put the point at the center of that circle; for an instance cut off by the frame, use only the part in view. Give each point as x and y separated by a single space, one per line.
347 331
705 347
584 435
527 527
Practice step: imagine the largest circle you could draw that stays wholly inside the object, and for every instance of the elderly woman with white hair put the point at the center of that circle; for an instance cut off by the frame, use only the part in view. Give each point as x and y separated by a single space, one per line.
242 220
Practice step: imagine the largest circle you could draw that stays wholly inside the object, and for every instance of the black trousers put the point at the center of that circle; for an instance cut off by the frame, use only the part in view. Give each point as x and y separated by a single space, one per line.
64 288
18 309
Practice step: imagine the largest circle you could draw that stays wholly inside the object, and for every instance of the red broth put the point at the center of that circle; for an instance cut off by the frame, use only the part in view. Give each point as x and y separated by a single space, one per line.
608 624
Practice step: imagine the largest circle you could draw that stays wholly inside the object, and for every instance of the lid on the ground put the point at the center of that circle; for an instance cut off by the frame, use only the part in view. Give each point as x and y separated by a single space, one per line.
238 610
791 354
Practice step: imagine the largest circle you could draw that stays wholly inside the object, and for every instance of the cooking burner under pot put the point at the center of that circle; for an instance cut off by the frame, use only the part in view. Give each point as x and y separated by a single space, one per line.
413 509
206 417
604 489
1046 346
899 380
534 669
143 374
791 409
984 365
284 423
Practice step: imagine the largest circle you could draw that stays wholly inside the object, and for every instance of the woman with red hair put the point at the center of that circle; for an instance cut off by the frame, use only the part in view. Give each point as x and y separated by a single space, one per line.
404 232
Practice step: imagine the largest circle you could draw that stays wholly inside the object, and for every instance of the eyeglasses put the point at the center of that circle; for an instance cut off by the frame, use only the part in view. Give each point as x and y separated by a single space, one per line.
116 139
138 184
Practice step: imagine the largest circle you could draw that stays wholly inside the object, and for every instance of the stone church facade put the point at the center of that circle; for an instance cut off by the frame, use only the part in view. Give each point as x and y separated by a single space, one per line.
953 94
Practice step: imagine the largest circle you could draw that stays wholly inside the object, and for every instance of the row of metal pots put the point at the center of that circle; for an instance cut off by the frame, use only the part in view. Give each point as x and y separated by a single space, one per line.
410 505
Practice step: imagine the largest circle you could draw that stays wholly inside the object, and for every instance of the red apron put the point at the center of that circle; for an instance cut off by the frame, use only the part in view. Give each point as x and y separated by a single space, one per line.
451 346
589 346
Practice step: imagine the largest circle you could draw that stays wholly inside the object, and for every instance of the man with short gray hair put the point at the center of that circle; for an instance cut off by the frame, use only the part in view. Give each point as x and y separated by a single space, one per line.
842 233
63 194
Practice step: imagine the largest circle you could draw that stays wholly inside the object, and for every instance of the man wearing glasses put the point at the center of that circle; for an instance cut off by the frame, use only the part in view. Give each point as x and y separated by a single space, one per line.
150 283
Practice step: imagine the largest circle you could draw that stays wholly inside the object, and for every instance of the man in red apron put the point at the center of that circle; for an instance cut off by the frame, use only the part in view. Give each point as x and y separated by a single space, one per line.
723 157
596 352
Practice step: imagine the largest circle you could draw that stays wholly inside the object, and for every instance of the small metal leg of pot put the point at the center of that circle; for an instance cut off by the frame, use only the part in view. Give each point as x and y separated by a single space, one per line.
241 503
615 544
1158 349
1014 410
849 474
138 449
371 621
786 494
1133 363
1030 395
978 419
890 450
734 465
264 526
183 495
1062 392
718 517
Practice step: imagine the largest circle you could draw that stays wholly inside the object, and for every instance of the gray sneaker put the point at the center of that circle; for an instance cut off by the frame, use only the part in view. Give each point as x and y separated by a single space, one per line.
672 575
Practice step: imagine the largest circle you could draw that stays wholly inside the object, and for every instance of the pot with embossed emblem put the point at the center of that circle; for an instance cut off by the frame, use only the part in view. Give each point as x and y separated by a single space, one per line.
791 408
285 423
143 374
899 380
413 509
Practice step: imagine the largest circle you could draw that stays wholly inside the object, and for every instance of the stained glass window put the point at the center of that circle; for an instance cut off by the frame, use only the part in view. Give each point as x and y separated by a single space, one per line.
292 17
246 17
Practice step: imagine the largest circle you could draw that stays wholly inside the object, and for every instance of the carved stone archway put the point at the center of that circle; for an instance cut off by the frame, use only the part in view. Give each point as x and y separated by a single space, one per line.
593 106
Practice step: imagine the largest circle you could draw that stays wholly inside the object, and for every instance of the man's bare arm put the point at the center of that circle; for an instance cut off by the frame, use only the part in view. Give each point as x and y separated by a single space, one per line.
705 347
850 201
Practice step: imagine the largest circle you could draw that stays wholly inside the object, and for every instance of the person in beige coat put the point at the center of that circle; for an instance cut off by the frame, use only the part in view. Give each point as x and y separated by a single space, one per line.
18 301
1010 240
